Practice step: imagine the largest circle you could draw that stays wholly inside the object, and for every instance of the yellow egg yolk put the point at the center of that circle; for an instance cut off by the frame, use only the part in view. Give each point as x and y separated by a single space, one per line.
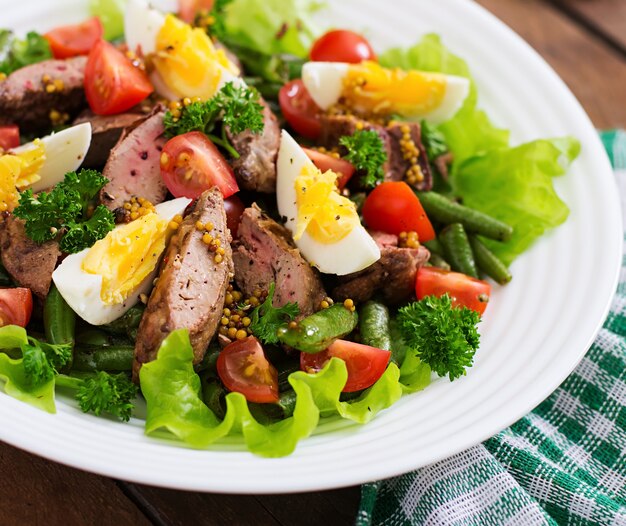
324 214
369 87
19 171
188 62
126 256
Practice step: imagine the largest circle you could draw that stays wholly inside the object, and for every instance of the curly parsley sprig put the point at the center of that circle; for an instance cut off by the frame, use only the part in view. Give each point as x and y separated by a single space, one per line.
443 336
366 152
65 211
266 319
236 107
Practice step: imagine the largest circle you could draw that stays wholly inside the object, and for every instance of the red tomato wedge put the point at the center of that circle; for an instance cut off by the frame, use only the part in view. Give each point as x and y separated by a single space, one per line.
74 40
365 364
9 137
234 208
325 162
464 291
392 207
243 368
112 84
341 45
191 164
16 306
188 9
299 109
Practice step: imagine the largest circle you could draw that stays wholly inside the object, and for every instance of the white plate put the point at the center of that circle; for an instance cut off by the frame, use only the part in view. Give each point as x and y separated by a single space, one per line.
535 331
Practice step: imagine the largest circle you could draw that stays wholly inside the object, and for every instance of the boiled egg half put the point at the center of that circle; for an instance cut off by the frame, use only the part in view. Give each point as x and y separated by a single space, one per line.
369 88
42 163
186 62
325 225
102 282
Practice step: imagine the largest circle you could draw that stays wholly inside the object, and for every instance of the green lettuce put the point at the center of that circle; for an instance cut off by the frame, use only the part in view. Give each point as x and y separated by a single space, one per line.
470 131
174 404
272 26
16 53
515 185
17 383
111 14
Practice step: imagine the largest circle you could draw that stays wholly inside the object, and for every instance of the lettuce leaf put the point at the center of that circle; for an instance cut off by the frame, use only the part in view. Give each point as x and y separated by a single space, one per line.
17 383
271 26
470 131
174 404
515 185
111 14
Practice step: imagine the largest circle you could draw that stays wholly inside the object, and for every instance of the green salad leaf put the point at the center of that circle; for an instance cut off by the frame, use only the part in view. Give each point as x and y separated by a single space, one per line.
19 383
16 53
111 14
172 390
515 185
270 27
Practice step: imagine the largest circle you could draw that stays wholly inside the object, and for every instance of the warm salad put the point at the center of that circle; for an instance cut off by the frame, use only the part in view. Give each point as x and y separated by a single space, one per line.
247 222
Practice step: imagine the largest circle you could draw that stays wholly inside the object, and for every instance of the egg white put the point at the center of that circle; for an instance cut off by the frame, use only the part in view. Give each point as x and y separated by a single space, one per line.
81 290
354 252
141 26
65 152
324 82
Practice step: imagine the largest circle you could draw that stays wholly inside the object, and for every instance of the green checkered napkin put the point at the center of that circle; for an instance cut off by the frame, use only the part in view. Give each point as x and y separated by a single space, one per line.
564 463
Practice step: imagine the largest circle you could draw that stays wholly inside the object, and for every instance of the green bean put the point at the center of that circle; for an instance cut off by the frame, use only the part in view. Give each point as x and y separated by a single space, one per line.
113 358
437 261
457 249
398 347
270 413
128 323
374 325
434 246
214 394
93 337
488 262
444 210
315 333
59 320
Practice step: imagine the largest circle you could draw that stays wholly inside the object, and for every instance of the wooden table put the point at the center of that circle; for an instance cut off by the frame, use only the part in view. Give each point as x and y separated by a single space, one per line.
585 41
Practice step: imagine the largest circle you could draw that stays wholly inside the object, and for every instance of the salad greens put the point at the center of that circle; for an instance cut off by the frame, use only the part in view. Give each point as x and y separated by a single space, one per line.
512 184
515 185
367 153
66 209
16 53
172 390
111 14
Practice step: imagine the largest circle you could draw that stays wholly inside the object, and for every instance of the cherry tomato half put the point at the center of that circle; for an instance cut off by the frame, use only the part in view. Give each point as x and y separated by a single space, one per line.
112 84
243 368
188 9
325 162
365 364
299 109
16 306
74 40
9 137
392 207
464 291
234 208
191 164
341 45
